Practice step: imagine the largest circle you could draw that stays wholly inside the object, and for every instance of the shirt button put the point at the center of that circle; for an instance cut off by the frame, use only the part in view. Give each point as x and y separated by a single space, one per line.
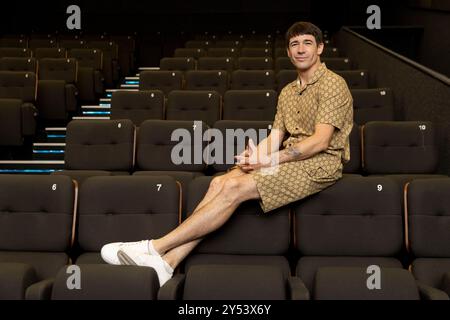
296 129
298 112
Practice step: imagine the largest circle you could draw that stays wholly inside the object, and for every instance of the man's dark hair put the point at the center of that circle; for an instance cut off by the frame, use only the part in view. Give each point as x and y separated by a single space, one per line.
301 28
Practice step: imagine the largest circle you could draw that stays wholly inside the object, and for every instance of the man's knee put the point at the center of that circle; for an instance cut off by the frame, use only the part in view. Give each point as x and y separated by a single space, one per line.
231 189
216 182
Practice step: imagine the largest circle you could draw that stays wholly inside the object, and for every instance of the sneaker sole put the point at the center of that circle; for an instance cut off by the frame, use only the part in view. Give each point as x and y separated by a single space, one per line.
125 259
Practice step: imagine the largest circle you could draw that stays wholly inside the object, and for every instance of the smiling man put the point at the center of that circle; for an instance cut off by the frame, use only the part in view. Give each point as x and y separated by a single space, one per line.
312 124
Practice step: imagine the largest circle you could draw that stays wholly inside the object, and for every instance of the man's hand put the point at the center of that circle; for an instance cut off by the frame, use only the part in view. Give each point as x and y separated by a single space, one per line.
251 159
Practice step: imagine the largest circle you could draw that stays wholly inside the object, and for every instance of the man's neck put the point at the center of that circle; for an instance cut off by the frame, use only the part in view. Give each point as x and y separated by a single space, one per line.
306 75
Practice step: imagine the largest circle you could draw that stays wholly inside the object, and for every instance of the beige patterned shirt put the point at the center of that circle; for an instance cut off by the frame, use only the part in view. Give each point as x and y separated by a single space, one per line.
325 99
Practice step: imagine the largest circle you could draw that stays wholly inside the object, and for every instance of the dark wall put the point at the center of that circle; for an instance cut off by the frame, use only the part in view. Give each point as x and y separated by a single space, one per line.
418 96
434 49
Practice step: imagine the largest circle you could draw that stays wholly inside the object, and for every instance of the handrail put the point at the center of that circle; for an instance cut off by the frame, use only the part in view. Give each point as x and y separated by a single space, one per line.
428 71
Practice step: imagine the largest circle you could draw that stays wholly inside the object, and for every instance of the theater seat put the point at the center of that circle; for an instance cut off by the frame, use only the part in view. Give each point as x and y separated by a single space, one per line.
96 147
137 106
130 283
359 223
117 209
57 91
400 150
17 107
35 231
427 211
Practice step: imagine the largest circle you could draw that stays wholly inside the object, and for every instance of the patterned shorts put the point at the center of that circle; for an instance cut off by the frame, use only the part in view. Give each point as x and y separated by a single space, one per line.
290 182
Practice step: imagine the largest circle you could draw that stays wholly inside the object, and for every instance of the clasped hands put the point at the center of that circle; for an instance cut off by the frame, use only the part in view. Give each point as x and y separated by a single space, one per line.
250 159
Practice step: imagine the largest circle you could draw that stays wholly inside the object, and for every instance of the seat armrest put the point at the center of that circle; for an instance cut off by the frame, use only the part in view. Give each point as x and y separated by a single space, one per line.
172 289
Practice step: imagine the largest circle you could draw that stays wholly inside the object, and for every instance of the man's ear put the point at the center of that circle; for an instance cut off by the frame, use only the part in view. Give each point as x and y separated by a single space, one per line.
320 48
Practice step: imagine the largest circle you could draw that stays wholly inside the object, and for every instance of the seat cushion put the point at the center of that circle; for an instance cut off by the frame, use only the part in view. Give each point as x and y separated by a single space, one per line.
308 266
15 278
46 264
344 283
228 259
431 271
234 282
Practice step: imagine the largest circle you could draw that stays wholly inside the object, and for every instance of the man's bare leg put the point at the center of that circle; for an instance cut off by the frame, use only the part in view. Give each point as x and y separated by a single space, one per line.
177 254
207 218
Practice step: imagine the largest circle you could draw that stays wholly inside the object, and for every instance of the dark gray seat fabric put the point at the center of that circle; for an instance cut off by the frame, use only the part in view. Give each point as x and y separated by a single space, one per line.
54 53
195 53
283 63
137 106
346 283
257 43
177 64
207 80
232 51
308 266
90 72
36 226
117 209
356 79
127 52
15 278
194 106
13 42
256 105
183 177
243 239
253 80
284 77
18 64
15 52
255 63
236 140
96 145
231 282
57 91
165 81
199 44
110 52
155 138
399 147
256 52
337 63
17 112
428 209
226 63
373 105
129 283
72 44
354 165
330 52
359 220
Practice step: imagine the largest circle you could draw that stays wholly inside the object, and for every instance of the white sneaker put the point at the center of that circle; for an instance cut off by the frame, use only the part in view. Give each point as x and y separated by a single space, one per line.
162 268
109 251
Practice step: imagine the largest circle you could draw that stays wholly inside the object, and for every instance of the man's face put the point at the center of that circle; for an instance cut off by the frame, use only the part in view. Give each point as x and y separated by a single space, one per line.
304 51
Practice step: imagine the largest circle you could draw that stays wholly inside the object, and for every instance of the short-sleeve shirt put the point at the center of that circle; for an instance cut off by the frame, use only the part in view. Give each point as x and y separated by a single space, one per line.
325 99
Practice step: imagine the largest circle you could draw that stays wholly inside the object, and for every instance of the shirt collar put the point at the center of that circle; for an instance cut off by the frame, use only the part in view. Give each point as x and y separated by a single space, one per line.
316 76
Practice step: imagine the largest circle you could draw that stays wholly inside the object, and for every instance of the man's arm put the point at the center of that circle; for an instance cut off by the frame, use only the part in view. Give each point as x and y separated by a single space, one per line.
309 147
304 149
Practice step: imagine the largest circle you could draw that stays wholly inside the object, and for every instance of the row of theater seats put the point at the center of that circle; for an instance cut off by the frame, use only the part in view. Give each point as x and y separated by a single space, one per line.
243 63
221 80
86 68
402 151
338 235
118 51
237 52
248 105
